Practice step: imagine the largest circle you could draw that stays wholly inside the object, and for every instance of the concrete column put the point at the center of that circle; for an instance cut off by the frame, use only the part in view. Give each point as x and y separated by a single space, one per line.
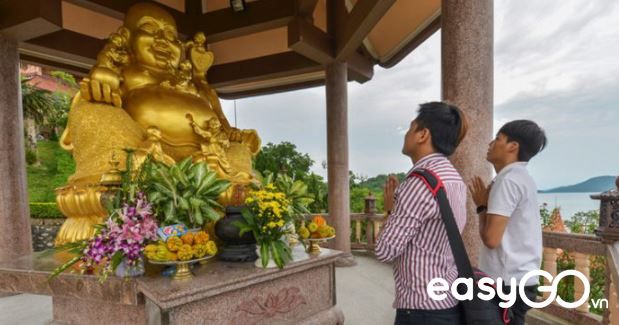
467 81
15 233
337 156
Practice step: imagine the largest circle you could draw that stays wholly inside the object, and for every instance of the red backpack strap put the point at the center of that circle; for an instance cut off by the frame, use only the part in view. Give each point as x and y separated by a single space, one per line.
435 179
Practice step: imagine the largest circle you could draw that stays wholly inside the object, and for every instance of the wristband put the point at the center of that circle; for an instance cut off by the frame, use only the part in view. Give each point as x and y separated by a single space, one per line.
481 209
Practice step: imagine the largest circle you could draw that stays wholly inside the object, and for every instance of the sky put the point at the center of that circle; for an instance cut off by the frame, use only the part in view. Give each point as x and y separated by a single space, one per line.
555 62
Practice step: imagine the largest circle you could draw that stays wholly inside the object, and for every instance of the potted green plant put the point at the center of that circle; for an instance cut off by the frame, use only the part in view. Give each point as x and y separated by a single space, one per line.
298 197
266 214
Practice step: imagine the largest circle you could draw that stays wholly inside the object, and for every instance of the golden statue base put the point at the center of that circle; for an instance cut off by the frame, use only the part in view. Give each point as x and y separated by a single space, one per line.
83 206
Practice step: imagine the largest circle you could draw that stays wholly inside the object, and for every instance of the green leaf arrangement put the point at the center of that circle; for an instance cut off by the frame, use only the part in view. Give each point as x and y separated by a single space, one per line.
185 193
295 190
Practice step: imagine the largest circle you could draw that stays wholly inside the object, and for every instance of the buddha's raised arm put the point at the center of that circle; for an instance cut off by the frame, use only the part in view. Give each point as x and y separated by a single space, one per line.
103 82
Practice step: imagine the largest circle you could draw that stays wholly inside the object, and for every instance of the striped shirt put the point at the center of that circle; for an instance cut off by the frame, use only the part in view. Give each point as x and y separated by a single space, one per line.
414 236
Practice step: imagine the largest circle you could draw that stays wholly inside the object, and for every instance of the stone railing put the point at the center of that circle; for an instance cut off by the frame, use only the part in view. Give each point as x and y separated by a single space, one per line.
612 265
366 227
44 232
579 247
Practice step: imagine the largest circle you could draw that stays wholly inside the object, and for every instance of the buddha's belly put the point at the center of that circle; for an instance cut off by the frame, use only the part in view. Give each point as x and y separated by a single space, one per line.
167 109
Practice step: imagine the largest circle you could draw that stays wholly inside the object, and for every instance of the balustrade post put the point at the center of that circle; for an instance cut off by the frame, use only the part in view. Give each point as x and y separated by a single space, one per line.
376 227
370 204
357 231
582 266
550 265
369 233
613 305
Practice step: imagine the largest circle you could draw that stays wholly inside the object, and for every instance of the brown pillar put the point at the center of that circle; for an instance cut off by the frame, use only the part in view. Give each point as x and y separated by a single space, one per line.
467 80
15 235
337 157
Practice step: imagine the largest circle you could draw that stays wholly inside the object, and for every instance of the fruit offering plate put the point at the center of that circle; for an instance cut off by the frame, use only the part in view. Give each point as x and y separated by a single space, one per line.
183 271
313 247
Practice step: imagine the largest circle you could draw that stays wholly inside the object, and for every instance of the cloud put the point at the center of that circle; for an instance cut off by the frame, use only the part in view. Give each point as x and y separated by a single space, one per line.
555 62
580 124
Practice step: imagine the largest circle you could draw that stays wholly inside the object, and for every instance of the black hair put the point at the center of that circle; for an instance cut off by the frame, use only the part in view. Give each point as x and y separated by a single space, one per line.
446 123
529 136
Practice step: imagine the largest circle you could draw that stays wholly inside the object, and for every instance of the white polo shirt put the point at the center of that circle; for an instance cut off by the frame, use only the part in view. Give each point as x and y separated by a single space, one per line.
514 194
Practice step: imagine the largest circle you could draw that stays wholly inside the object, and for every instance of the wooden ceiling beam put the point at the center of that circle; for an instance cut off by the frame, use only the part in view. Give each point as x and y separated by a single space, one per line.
258 16
360 68
361 20
70 42
271 90
193 7
428 31
262 68
305 8
26 19
217 25
77 71
311 42
117 9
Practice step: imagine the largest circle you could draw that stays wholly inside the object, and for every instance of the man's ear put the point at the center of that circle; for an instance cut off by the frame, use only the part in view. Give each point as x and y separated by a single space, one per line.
513 147
425 135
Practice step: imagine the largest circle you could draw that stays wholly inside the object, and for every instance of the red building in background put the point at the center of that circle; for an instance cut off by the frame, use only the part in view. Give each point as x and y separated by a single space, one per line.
42 78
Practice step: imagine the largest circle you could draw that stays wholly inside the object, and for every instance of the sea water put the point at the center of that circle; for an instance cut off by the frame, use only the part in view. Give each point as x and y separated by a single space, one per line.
569 203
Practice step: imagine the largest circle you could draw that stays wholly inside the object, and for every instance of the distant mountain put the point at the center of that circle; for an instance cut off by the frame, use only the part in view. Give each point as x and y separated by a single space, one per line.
595 184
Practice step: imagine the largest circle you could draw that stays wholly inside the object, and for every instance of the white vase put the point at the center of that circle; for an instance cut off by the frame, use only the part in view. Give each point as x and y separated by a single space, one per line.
258 263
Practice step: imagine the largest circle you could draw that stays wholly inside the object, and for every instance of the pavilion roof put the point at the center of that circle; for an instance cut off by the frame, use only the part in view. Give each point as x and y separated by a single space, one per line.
273 45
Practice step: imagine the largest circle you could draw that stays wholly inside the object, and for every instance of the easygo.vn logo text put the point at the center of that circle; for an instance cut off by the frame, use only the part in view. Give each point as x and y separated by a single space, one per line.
489 288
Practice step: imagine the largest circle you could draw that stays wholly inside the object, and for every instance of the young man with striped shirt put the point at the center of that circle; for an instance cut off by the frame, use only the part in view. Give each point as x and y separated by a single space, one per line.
414 239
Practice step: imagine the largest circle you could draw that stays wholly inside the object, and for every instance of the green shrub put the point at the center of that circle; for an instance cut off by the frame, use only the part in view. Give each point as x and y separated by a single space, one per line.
31 157
44 210
55 167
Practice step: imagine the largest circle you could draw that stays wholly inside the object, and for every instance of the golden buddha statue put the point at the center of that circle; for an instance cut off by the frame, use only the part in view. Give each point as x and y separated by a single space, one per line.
148 91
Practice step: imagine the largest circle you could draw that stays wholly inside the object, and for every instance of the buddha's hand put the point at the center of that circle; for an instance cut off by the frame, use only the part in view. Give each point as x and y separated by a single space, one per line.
247 137
235 135
101 91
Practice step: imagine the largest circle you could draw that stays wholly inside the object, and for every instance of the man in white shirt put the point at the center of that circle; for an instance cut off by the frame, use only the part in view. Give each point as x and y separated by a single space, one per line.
509 219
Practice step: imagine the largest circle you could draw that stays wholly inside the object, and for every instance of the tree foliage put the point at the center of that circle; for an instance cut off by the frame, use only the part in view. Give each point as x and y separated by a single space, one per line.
584 222
34 101
42 108
65 78
283 158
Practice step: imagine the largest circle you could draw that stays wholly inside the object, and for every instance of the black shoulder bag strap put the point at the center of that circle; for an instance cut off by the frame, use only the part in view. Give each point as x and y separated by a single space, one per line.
476 311
436 186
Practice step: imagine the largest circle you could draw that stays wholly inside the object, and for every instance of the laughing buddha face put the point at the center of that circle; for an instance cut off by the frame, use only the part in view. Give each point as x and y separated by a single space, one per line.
154 37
